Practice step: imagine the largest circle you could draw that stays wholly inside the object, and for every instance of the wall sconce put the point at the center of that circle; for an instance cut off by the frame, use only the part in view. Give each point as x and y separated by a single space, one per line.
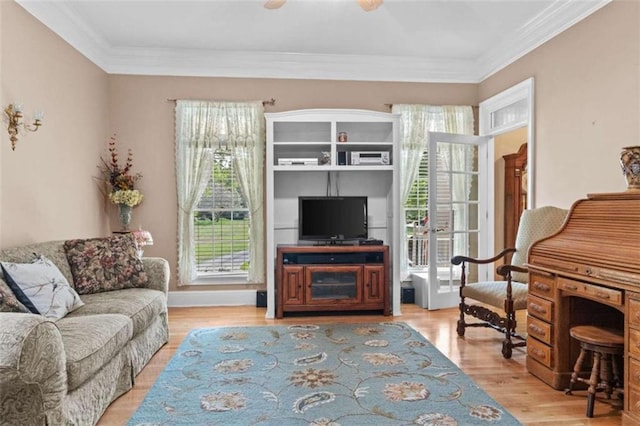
14 115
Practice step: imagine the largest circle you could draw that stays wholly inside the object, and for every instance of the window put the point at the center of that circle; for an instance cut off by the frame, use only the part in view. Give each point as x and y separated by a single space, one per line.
219 177
222 223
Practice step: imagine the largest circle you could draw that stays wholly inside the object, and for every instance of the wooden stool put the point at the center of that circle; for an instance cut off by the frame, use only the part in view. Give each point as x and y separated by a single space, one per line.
606 345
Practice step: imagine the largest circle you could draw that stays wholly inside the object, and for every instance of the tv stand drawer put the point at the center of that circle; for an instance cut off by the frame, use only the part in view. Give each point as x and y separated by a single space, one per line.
334 258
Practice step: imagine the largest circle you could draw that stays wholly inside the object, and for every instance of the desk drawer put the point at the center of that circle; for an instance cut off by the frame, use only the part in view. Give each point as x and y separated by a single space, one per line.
601 294
633 377
634 312
540 352
539 329
634 342
634 401
540 308
542 285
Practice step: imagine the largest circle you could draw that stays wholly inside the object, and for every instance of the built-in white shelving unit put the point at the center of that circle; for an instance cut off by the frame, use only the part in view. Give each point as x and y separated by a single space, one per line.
336 152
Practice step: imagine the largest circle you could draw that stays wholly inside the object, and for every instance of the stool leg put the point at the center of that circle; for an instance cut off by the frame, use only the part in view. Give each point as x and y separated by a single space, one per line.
576 369
593 383
605 375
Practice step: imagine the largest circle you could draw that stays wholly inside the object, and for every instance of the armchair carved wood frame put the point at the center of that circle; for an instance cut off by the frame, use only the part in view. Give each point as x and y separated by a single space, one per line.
509 294
504 324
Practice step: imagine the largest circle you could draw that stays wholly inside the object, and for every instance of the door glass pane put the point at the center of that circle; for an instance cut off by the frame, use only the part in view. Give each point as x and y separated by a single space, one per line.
457 198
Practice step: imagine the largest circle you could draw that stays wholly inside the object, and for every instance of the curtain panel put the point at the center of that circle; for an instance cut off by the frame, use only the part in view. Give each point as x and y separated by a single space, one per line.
202 127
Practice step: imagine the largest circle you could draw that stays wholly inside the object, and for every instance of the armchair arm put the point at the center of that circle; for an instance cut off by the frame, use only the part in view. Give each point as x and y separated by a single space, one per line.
33 375
506 270
157 270
457 260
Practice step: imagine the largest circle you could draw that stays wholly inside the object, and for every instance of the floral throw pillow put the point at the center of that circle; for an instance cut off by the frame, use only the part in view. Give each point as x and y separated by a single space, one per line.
41 287
105 264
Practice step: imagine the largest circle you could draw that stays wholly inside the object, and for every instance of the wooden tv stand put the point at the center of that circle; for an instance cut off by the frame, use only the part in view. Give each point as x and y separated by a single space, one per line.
332 278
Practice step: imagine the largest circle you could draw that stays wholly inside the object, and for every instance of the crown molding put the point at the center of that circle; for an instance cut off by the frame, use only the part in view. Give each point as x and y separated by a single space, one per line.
546 25
208 63
62 19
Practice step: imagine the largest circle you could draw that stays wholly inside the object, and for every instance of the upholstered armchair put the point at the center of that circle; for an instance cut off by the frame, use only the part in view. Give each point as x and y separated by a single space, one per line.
495 303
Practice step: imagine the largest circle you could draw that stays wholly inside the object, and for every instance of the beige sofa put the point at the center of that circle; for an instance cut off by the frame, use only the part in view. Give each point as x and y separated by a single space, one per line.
67 371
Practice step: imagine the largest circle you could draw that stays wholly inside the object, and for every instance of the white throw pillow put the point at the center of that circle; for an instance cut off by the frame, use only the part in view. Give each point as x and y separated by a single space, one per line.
41 287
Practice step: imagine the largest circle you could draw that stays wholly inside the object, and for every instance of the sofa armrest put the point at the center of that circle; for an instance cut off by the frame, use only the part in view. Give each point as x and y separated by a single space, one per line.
157 270
33 375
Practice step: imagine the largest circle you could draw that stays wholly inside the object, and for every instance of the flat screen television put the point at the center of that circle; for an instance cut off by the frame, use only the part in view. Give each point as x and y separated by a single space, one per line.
332 219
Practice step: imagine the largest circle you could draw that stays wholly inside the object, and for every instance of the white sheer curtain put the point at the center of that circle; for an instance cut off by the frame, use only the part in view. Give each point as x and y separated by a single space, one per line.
248 155
194 160
202 127
415 122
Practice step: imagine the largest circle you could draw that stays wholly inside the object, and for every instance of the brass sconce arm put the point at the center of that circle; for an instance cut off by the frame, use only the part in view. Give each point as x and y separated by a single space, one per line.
15 123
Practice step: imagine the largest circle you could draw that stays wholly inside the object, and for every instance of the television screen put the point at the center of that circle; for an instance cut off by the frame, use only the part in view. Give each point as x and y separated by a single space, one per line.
332 218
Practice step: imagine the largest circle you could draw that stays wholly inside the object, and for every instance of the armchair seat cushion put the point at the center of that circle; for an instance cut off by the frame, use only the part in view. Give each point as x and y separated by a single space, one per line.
90 342
494 293
141 305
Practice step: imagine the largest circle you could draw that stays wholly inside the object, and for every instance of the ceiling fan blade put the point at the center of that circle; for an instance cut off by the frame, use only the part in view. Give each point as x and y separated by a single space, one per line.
274 4
369 5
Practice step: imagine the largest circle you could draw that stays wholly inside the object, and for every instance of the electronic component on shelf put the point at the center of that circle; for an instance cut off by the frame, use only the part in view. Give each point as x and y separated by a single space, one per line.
297 161
370 157
370 242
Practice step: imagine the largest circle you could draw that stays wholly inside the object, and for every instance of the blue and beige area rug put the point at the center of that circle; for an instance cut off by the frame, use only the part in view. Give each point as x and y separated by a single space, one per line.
320 375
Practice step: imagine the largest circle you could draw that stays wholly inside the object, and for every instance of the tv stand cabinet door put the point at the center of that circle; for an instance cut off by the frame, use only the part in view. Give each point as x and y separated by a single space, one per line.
292 285
374 284
333 285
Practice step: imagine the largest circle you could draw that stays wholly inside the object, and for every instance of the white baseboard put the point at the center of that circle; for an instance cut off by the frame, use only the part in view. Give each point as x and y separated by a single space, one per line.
177 299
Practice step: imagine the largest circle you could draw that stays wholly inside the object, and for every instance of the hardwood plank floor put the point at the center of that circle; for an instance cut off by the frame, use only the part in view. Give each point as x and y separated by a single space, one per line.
478 355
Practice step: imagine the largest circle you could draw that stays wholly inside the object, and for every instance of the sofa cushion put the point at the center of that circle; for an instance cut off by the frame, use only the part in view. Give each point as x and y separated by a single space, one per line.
105 264
41 287
53 250
8 300
142 305
90 342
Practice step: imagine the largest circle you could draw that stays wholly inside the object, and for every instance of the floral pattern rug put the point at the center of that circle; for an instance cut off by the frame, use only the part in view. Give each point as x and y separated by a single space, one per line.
317 375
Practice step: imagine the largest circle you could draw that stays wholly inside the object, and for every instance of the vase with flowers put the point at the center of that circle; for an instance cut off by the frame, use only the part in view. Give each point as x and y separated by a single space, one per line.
121 181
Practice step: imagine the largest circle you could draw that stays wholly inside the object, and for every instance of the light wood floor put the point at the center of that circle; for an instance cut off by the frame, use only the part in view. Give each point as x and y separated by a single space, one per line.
478 355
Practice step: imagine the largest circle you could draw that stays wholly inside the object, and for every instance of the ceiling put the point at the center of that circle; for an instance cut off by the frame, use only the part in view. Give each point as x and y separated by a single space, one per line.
402 40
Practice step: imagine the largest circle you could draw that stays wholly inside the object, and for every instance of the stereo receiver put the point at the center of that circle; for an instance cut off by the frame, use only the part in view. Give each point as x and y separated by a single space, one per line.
297 161
370 157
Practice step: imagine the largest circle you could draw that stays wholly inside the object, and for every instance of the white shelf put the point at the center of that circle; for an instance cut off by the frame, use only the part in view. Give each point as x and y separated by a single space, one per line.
301 143
347 168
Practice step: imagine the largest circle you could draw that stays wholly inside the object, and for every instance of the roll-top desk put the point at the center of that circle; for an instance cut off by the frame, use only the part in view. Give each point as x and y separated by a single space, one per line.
587 273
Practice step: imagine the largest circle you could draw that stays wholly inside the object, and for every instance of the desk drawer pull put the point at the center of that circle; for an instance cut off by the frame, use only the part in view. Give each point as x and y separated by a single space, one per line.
602 295
539 309
571 287
541 286
535 329
537 352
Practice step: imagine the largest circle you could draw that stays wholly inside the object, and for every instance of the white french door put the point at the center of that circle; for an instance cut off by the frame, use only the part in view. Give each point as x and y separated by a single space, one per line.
457 211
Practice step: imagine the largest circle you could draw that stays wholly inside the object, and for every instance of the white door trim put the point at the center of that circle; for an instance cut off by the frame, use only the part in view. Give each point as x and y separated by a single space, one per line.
521 91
